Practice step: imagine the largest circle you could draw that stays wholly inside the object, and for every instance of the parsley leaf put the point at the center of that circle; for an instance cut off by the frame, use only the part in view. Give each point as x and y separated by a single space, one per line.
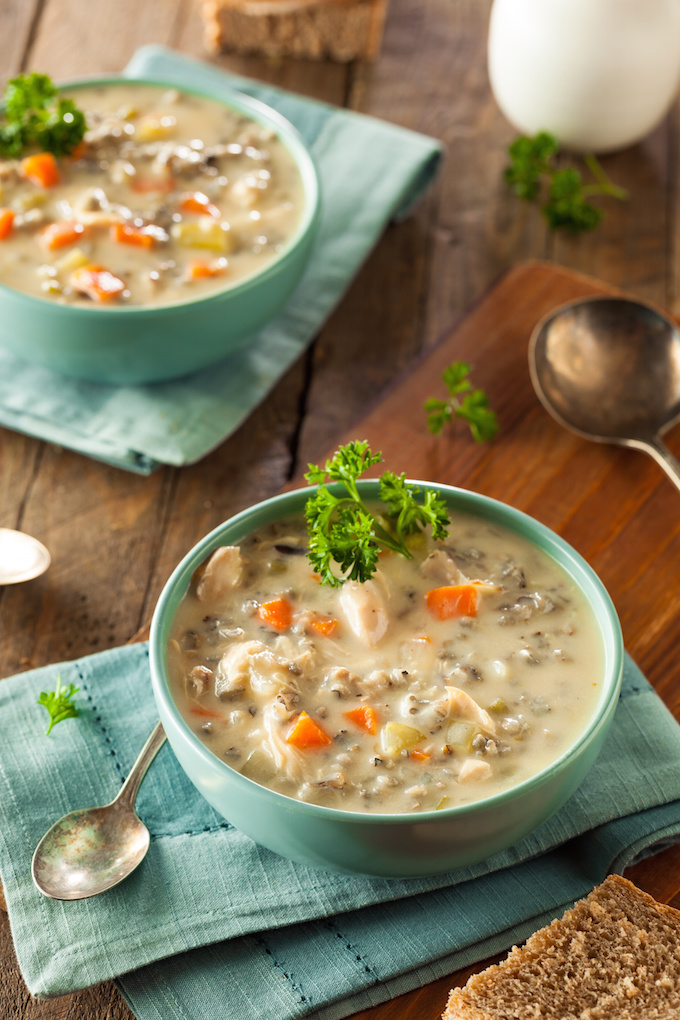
34 115
530 159
59 703
567 205
345 533
563 193
472 408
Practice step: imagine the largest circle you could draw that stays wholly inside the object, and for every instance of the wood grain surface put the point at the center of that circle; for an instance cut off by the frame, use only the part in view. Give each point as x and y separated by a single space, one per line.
115 537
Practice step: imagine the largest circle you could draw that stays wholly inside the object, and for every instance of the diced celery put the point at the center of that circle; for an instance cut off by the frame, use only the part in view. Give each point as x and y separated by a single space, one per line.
460 734
72 260
154 128
416 541
258 766
396 737
51 287
205 232
29 200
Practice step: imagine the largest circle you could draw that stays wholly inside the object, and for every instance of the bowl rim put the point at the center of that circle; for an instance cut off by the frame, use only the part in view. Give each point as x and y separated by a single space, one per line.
558 549
232 98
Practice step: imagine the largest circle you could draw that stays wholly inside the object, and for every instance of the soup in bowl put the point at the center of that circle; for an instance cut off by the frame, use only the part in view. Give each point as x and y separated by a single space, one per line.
179 225
419 721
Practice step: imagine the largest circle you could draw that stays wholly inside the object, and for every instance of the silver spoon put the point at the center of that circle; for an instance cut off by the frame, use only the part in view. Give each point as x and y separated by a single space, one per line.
609 369
89 851
22 557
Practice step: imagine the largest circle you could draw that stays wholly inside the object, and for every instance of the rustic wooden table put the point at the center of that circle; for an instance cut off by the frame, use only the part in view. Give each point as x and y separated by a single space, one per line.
115 537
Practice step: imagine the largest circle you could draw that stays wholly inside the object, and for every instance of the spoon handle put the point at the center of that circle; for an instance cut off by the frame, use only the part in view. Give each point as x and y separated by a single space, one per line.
660 452
128 791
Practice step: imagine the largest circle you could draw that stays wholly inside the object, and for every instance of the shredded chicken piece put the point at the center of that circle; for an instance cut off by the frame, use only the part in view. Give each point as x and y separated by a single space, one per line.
221 574
341 681
365 610
441 567
472 770
462 706
300 656
418 653
250 664
199 679
287 758
382 679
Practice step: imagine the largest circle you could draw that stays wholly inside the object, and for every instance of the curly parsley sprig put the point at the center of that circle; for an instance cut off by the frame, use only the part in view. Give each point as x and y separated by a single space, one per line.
472 408
59 703
34 114
345 532
533 176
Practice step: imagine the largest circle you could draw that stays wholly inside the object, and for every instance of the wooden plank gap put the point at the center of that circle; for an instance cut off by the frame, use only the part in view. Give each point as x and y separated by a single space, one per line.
166 501
32 33
307 363
184 14
30 484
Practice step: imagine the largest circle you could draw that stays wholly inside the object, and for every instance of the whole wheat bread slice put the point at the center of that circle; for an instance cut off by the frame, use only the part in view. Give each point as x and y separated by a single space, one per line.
614 956
341 30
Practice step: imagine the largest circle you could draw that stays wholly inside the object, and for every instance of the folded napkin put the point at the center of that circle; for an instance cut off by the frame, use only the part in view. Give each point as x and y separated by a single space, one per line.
371 172
213 925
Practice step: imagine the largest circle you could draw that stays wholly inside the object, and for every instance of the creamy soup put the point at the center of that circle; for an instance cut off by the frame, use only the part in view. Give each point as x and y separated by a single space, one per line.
444 679
170 196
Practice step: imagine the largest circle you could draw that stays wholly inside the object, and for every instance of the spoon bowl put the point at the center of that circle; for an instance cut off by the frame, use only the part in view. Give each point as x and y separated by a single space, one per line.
608 369
90 850
22 557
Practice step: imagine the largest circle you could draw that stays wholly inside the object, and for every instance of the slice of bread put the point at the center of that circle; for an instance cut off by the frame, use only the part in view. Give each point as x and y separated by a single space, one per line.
614 956
341 30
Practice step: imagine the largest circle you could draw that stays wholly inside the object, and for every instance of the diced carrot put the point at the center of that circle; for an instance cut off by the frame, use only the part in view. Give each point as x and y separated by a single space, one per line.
277 613
204 713
60 233
305 733
96 282
452 600
365 717
324 625
198 269
154 182
41 168
197 202
125 233
417 755
79 151
6 223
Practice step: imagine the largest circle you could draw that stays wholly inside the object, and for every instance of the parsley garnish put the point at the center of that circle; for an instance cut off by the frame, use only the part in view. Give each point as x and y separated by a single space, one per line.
35 115
59 703
344 531
472 408
533 176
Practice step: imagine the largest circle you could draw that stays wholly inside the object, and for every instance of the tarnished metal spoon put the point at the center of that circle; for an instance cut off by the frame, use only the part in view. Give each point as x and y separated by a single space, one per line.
609 369
89 851
22 557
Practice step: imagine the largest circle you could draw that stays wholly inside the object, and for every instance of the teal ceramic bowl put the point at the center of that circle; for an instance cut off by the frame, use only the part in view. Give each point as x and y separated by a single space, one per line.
389 845
132 344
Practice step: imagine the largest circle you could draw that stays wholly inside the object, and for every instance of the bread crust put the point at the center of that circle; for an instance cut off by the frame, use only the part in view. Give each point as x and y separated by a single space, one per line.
341 30
614 956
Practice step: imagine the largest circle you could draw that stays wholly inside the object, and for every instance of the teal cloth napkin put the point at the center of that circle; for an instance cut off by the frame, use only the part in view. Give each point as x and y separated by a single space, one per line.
211 925
371 173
